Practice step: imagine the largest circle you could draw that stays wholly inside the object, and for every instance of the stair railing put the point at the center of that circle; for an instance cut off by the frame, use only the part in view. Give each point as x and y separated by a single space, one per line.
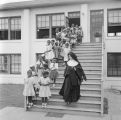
102 74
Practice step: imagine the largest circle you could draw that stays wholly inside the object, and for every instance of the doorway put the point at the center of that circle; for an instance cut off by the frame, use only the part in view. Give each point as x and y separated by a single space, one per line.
74 18
96 24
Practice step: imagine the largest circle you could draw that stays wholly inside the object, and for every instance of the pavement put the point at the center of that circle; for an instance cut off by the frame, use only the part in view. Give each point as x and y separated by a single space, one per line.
12 103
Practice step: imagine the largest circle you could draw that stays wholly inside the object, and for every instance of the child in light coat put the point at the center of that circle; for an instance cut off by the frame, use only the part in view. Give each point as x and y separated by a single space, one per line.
44 91
66 50
28 91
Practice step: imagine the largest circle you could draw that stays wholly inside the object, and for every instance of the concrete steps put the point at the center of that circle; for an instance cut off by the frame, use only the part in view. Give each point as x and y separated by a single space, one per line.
90 57
68 109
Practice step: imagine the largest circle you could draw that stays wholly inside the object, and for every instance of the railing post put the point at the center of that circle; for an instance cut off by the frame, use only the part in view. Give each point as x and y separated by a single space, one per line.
102 78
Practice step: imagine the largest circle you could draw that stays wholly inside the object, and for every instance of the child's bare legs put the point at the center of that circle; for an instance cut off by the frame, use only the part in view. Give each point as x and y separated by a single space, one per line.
44 102
54 81
30 102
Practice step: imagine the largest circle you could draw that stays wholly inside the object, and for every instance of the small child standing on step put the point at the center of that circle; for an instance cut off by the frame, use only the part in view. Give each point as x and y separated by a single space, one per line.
44 91
54 71
28 91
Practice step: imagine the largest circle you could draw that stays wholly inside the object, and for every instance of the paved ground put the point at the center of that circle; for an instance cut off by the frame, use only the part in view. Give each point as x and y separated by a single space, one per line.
12 103
11 95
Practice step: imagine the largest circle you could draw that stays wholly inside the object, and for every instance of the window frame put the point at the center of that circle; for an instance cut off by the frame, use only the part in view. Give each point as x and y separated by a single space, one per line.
111 9
114 54
9 64
9 27
50 23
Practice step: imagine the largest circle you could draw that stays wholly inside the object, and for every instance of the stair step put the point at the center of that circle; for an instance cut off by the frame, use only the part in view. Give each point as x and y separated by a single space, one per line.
86 72
68 109
84 82
84 68
88 75
82 88
89 44
80 101
93 86
88 53
60 102
88 49
89 57
94 79
82 94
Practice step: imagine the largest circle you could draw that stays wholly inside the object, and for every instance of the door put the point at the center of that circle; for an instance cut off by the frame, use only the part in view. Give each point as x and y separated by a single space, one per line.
96 24
74 18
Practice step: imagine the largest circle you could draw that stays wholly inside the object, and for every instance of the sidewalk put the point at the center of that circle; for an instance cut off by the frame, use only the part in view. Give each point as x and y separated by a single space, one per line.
16 113
12 102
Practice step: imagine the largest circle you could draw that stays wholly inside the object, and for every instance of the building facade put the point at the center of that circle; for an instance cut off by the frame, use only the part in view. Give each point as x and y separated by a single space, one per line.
26 26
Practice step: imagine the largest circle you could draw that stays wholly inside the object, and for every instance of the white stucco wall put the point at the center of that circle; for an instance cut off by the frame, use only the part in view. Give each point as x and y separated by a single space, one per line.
28 46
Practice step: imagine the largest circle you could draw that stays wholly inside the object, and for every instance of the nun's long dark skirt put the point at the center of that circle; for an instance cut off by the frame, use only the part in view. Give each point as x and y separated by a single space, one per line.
70 93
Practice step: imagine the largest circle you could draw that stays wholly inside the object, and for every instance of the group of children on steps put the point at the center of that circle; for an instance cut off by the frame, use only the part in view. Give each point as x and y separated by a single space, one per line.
39 79
45 72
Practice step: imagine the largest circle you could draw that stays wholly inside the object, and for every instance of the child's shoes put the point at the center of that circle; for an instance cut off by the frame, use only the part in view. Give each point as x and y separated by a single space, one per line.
45 105
31 104
42 105
53 85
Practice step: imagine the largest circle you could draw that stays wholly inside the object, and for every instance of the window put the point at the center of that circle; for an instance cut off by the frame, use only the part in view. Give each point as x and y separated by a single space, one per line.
10 28
46 25
114 22
15 31
10 64
3 28
4 64
74 14
74 18
57 22
43 26
114 64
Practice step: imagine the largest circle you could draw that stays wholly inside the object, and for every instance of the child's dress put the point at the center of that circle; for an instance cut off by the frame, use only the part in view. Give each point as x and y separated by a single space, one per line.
40 69
44 91
53 71
29 87
65 53
49 54
73 39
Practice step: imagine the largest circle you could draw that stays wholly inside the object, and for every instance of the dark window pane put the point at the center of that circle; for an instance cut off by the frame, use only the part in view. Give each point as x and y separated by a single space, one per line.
114 64
4 35
3 64
15 64
15 32
3 28
114 22
43 23
43 33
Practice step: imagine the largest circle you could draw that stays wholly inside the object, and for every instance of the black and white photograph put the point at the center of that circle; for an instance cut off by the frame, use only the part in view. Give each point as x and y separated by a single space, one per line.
60 59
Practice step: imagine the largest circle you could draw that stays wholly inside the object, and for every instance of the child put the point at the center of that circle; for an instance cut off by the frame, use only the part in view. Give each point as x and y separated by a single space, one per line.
73 38
44 91
49 54
54 71
56 49
39 66
28 88
66 50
